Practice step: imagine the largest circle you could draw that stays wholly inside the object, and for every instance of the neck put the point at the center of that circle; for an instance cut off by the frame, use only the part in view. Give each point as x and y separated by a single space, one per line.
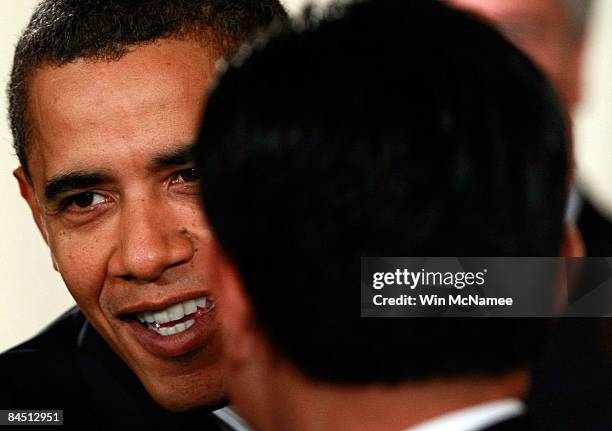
309 406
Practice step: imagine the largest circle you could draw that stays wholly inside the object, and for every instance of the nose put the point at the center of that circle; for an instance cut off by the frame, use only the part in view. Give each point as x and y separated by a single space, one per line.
151 240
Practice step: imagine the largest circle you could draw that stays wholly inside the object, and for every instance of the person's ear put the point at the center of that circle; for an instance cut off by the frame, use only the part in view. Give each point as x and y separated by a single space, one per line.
244 341
27 192
573 245
577 68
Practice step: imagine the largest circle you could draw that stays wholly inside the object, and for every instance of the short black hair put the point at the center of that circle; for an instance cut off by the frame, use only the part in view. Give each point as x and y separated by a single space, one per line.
403 128
61 31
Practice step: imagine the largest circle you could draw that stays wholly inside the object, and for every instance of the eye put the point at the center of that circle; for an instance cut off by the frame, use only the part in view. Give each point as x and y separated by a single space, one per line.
190 175
83 200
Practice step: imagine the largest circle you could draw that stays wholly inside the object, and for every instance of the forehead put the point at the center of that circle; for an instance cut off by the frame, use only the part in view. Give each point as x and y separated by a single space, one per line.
91 109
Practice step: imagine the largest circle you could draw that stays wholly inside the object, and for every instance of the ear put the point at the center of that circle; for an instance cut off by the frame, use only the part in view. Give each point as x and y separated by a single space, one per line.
573 246
244 341
27 192
252 367
577 68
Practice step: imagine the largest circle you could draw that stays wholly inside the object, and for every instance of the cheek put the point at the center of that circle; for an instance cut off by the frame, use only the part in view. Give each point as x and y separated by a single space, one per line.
193 215
208 257
193 222
81 259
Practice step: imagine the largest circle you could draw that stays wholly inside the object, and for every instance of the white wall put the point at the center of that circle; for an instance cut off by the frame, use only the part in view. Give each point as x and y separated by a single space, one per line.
593 129
295 6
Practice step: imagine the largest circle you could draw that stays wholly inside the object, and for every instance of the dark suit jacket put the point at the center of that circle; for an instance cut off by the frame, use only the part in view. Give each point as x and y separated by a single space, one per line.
70 367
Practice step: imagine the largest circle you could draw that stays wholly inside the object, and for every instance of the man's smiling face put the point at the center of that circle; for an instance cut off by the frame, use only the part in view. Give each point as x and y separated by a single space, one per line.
115 195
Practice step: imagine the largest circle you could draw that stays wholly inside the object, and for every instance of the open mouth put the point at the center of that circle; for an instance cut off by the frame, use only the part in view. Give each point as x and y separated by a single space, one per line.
176 318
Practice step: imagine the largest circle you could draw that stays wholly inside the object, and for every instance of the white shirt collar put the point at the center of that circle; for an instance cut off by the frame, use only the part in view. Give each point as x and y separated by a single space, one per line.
475 417
230 420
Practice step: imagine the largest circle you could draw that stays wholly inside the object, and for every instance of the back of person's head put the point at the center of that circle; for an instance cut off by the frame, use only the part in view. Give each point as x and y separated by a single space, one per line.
63 31
402 128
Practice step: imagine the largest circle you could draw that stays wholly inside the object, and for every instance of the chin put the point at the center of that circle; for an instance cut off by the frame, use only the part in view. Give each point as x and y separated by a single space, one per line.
187 400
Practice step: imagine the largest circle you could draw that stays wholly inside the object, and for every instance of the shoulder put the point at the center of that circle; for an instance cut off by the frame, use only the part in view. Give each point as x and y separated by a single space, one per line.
41 363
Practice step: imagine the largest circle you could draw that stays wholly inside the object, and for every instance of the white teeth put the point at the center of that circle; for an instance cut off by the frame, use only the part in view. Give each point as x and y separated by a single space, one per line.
190 307
172 313
176 329
176 311
146 317
161 316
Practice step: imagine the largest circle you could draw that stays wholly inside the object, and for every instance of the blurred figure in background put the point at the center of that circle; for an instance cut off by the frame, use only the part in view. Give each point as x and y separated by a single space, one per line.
550 32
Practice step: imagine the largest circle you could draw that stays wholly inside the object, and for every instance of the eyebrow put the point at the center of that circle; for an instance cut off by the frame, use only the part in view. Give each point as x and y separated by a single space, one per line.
174 157
77 180
72 181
